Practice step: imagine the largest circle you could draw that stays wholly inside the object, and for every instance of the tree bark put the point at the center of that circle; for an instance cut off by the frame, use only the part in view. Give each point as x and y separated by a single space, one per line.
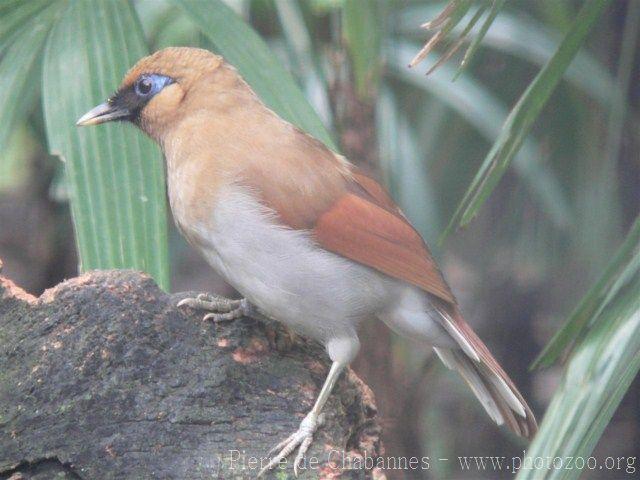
103 377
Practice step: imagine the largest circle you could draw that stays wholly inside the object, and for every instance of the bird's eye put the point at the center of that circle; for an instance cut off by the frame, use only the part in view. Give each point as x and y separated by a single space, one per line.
144 86
149 84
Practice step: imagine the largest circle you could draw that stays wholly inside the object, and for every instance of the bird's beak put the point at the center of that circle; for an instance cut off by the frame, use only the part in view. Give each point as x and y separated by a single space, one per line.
101 114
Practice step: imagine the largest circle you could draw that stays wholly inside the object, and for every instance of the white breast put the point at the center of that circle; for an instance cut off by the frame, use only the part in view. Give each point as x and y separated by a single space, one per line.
284 273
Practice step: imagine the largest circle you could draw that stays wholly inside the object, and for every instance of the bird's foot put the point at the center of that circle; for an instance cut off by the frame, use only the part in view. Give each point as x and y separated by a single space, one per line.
300 439
220 308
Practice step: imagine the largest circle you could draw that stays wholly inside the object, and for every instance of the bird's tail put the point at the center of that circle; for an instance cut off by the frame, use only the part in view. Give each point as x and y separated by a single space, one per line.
484 375
496 392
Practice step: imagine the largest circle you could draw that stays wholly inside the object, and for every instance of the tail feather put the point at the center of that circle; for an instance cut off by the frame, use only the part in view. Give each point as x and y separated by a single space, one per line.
503 403
456 361
493 387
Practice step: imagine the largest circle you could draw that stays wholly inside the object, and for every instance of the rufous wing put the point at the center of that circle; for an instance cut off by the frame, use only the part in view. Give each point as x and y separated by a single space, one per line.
365 225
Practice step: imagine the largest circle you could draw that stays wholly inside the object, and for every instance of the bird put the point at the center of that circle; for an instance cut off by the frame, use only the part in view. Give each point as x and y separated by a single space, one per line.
306 237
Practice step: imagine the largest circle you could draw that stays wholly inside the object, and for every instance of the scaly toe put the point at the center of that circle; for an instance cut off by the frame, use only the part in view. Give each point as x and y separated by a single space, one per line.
301 439
199 301
282 444
224 317
216 305
304 446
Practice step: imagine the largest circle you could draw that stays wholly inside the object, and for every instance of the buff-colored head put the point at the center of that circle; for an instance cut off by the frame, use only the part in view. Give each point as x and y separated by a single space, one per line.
159 90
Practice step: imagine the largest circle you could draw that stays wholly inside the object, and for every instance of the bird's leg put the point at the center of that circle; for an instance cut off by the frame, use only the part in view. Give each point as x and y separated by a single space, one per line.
304 436
219 308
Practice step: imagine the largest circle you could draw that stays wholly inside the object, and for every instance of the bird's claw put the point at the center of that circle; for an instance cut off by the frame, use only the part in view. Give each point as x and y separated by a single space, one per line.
220 308
301 439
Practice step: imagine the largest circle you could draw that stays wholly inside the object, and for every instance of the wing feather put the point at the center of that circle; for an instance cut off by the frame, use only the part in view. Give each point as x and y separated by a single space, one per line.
380 238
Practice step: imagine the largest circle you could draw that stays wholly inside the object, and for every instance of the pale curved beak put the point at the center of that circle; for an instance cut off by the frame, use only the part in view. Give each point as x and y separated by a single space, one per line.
101 114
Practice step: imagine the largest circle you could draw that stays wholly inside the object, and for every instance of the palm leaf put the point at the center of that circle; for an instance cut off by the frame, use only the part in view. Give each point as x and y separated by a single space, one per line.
402 161
624 266
362 30
523 115
486 113
452 16
598 374
528 39
298 38
15 14
444 23
473 47
20 71
114 175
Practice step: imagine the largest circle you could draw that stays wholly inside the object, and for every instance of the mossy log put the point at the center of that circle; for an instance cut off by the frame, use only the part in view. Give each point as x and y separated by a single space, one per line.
102 377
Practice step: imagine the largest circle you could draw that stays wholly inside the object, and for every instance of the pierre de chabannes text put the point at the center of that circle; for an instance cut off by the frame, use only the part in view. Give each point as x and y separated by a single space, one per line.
239 460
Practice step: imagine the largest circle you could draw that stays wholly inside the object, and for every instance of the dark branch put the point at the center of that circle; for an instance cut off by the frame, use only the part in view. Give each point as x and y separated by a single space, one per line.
102 377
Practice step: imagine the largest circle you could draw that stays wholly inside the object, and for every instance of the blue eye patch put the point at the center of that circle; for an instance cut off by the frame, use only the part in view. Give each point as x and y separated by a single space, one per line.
149 84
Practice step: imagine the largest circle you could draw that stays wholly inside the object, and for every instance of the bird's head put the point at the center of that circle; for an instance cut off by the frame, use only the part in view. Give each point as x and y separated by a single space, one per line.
154 94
